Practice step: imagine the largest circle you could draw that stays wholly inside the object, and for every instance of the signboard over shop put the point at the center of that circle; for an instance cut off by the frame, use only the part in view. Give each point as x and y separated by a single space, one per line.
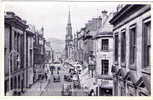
105 83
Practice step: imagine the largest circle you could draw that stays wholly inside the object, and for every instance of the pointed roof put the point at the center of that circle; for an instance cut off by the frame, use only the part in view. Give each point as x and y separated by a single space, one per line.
69 18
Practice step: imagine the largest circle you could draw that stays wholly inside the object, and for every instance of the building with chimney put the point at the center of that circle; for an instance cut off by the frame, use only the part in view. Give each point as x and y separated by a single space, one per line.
104 56
90 30
132 44
69 39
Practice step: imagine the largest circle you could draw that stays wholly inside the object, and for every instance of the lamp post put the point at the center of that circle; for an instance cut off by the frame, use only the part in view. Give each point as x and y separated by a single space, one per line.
18 60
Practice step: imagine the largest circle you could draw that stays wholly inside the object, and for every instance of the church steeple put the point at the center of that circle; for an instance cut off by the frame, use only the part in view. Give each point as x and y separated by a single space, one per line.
69 18
69 28
69 38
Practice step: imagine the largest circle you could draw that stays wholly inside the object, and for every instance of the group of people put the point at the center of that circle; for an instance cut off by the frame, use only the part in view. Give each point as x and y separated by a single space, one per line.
50 71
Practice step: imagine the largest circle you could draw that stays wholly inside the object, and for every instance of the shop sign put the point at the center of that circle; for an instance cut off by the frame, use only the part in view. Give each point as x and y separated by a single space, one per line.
106 83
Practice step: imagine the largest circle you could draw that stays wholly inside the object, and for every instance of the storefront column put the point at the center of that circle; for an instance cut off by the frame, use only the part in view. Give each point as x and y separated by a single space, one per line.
98 90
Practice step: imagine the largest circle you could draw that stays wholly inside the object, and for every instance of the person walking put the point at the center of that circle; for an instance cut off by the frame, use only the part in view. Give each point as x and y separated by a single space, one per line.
49 76
92 93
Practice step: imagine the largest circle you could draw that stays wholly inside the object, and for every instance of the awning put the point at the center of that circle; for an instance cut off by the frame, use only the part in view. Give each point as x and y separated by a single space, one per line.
122 72
115 69
147 83
132 77
144 82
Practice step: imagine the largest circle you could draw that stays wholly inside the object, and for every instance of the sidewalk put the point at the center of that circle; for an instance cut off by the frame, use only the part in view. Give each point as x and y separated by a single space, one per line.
36 89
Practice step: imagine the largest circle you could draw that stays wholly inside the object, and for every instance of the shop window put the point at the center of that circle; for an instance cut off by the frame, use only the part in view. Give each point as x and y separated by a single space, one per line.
18 82
104 44
132 45
11 83
6 86
123 91
146 43
105 67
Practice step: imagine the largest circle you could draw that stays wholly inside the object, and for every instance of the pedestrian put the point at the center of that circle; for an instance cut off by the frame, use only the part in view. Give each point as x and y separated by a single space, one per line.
92 93
45 75
49 77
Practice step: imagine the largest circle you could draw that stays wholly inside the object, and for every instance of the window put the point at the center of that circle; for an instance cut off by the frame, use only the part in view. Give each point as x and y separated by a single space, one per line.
105 65
132 44
15 40
10 40
31 58
104 45
146 43
123 46
116 47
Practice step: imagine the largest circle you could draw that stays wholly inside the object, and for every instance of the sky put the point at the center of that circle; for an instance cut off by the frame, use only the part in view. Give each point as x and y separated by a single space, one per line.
53 16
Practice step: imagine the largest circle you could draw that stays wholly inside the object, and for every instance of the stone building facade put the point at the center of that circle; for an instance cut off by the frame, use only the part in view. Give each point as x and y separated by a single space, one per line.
29 56
104 56
39 54
131 65
80 46
48 52
15 54
88 44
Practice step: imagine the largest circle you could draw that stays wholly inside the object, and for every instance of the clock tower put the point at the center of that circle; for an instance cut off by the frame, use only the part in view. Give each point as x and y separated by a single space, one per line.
68 39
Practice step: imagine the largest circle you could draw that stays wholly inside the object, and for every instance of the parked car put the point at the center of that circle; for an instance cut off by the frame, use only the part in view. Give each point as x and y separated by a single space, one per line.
66 90
76 82
68 78
56 78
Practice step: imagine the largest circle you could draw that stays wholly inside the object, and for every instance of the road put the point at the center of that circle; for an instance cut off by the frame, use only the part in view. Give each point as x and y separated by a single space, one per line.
54 88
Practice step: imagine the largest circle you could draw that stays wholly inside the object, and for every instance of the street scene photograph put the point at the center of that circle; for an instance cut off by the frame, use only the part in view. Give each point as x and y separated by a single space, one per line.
77 49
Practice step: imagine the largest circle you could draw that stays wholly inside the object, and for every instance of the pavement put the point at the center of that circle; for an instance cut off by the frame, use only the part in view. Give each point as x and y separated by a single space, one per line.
36 89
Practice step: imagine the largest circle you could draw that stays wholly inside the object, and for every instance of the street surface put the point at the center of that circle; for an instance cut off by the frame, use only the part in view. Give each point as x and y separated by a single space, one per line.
55 88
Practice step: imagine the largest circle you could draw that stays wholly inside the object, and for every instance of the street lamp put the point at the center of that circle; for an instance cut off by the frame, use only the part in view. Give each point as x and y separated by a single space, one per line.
18 60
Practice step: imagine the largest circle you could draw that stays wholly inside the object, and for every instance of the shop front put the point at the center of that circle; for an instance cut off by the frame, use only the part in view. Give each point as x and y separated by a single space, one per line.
105 87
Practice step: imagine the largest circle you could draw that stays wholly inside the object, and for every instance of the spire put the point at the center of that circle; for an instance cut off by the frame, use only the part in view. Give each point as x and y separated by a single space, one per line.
42 30
69 18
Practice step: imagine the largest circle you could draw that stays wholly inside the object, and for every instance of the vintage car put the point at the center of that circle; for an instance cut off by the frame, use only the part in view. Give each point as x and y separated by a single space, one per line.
68 78
66 90
76 82
56 78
